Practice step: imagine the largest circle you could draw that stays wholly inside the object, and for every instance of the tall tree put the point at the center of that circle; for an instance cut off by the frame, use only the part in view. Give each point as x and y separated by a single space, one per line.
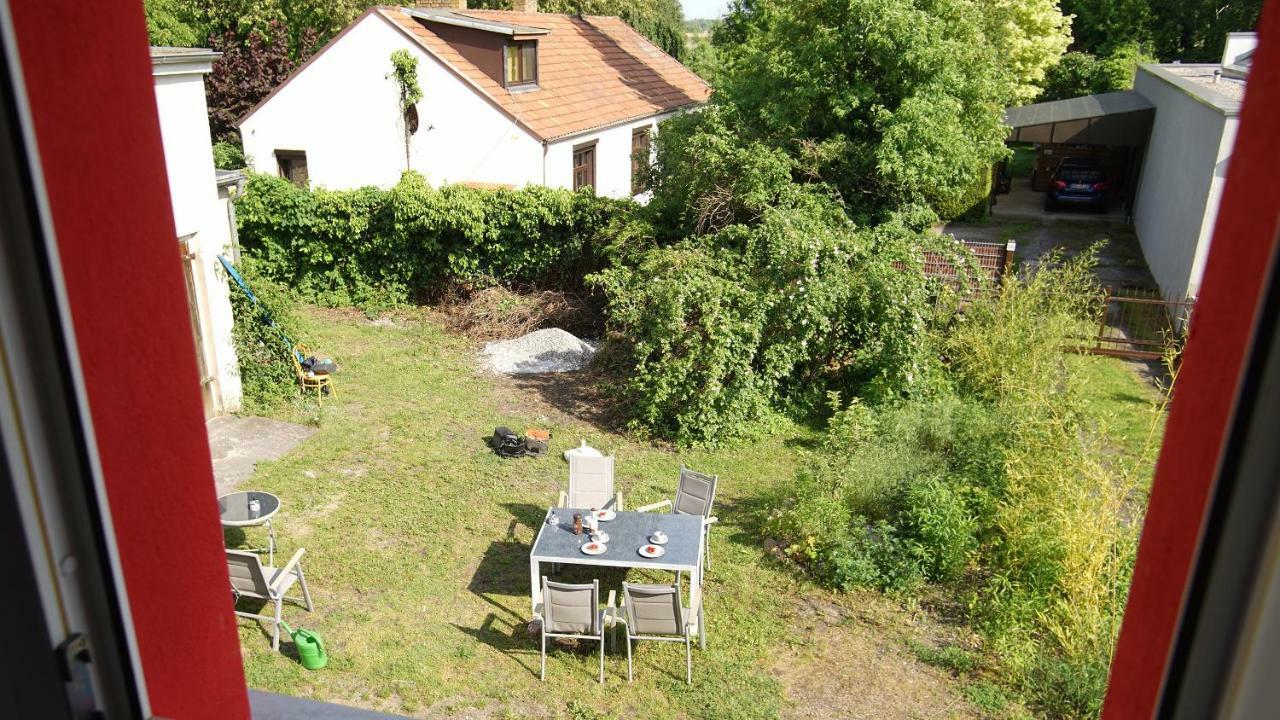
891 101
1187 30
169 22
1029 37
249 69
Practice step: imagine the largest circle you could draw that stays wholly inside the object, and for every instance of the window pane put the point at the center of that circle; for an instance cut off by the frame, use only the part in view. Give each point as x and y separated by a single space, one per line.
513 65
528 62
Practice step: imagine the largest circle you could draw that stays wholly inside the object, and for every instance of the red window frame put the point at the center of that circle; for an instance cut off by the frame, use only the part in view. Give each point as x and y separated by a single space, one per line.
106 188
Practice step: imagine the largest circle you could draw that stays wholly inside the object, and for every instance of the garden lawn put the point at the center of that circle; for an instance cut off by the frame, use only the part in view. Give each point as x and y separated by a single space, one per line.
417 541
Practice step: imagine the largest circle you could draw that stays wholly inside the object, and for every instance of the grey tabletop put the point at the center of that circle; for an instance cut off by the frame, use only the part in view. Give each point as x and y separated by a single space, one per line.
627 532
234 508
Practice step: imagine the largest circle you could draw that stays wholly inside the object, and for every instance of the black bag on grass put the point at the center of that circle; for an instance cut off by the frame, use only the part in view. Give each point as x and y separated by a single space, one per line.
506 443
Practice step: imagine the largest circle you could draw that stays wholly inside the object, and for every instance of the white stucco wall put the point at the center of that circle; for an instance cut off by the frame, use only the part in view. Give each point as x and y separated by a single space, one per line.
1181 183
199 215
343 110
613 158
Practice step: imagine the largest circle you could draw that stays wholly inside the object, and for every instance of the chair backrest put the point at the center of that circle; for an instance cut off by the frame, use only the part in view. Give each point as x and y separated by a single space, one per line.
590 481
247 575
653 609
297 353
571 609
695 493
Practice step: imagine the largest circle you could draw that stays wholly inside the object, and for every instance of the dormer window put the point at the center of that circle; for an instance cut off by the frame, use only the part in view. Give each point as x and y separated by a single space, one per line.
520 63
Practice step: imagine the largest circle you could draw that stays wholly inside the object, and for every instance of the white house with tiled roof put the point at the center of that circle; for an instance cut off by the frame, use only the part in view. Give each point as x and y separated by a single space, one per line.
510 99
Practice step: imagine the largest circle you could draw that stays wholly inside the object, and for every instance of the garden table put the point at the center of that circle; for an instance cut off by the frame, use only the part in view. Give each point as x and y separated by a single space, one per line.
237 510
628 531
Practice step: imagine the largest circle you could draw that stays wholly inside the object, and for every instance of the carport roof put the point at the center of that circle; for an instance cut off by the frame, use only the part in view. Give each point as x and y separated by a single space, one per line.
1078 108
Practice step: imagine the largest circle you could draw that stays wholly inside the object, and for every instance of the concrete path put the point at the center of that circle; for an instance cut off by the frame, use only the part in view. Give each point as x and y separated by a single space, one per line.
1120 260
1023 203
240 443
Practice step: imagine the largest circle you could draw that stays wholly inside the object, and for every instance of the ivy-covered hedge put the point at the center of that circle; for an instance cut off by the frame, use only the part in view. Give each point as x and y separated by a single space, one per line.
374 248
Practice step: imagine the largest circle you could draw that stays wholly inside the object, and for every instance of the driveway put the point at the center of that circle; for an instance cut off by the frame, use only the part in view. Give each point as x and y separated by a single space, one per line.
1120 260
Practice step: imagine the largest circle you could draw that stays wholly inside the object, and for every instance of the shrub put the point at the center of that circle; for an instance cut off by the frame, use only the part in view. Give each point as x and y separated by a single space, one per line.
374 248
767 317
228 156
260 335
942 530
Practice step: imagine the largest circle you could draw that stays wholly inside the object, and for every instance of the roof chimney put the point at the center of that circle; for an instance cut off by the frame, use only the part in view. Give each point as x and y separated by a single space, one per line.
525 6
442 4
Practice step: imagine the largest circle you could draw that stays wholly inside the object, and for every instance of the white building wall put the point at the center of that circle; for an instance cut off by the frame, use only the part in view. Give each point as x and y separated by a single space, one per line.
343 111
613 158
1181 184
199 216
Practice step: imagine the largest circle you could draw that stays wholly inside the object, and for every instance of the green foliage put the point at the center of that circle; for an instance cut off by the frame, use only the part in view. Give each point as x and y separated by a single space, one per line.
765 317
404 70
1080 73
228 156
949 657
892 102
1029 37
267 377
169 23
1186 30
378 248
1004 486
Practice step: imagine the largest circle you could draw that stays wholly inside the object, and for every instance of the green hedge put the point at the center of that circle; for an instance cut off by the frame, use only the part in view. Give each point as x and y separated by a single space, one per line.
374 248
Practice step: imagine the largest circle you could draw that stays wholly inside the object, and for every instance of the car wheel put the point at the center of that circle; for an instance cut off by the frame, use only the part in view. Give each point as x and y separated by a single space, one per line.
1049 204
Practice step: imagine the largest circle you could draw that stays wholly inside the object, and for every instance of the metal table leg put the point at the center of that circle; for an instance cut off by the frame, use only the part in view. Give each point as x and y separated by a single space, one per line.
271 544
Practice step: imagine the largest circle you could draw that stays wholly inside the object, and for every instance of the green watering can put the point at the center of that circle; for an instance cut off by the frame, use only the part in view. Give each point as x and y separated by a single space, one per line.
310 647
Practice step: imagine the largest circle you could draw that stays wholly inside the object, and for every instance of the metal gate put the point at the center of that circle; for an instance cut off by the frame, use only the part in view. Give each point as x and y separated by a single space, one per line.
1139 324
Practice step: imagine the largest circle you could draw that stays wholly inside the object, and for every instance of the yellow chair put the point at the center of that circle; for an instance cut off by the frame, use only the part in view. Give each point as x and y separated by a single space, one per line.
309 379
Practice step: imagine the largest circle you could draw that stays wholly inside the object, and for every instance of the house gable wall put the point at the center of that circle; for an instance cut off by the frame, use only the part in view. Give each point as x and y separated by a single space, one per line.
343 111
1181 184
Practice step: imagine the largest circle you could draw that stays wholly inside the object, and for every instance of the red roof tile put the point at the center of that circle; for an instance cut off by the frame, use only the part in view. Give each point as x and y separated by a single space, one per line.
593 72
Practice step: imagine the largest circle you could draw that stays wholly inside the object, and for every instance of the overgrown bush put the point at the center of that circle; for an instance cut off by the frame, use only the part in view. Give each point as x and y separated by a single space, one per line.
376 248
722 330
261 335
998 485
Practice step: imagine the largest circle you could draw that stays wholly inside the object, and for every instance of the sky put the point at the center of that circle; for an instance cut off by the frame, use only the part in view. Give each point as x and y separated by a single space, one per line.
704 8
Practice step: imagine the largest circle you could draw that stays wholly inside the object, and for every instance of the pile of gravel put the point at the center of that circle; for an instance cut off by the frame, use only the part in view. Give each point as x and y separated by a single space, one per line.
542 351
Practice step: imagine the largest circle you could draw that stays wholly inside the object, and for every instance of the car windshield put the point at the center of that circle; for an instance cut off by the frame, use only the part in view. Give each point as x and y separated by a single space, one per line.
1077 174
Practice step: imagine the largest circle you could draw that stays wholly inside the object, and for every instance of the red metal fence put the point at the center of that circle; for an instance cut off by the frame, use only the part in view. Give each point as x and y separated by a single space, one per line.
1139 324
995 260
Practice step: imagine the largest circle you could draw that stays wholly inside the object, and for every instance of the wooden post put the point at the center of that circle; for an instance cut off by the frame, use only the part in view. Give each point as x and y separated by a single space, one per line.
1009 249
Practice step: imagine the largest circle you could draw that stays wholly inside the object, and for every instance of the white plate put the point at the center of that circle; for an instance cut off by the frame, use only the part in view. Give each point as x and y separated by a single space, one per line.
605 515
594 548
658 551
654 539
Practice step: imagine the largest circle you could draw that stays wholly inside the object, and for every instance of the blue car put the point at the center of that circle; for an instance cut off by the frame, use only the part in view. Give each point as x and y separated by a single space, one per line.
1080 183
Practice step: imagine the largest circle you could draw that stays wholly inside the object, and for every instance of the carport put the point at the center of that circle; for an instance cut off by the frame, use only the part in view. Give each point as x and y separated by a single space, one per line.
1110 127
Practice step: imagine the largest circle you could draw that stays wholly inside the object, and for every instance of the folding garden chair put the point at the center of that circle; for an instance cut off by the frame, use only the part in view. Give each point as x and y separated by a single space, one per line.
591 484
694 495
251 579
654 612
573 611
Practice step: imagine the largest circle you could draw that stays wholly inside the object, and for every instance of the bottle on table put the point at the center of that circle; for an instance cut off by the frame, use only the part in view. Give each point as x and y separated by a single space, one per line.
577 523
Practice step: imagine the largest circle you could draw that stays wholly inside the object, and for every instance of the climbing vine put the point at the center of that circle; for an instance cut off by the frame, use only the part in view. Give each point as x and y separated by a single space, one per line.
404 70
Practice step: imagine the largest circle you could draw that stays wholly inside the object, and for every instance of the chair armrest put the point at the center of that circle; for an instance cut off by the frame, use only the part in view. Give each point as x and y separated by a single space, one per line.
287 570
561 501
617 501
654 506
710 520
